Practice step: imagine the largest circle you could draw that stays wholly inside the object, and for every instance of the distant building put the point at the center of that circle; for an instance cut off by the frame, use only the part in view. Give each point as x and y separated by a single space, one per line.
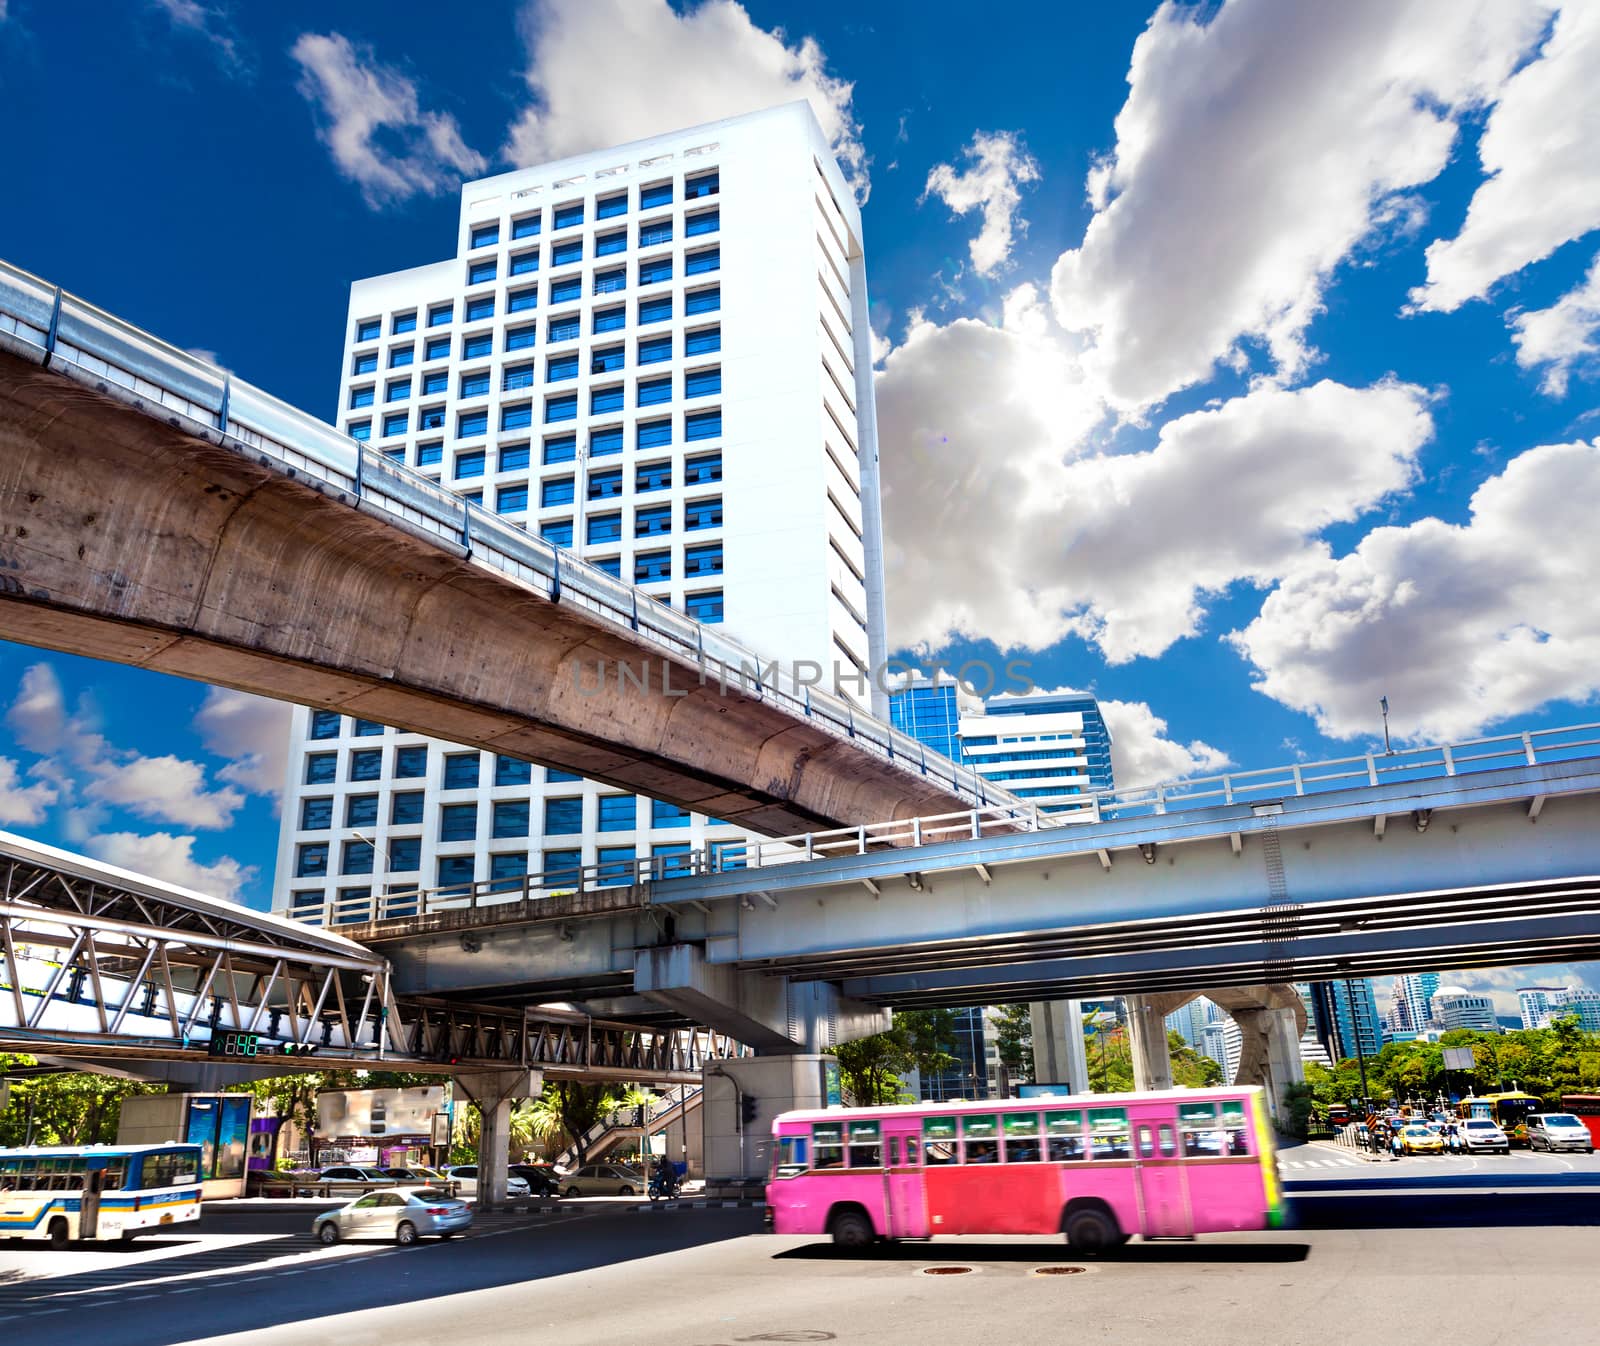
1577 1000
1190 1022
928 709
1223 1042
1346 1015
1454 1007
970 1077
1050 749
1415 991
1535 1003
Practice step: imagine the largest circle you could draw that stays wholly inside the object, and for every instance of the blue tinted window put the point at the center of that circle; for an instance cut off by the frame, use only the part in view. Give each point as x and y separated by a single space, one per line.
368 330
367 728
517 376
361 430
429 418
658 309
458 822
702 341
702 382
706 222
405 807
561 408
510 818
702 514
517 417
507 869
618 813
566 252
605 399
525 263
316 815
606 244
565 328
439 316
486 270
362 397
653 350
439 348
455 871
704 607
568 215
565 290
671 859
702 425
562 816
411 761
406 322
401 356
366 764
612 565
405 854
698 263
702 184
485 234
605 485
558 532
520 301
521 338
615 865
649 567
526 227
563 868
659 195
652 520
555 775
654 270
609 282
365 364
603 443
703 560
509 771
476 347
654 434
511 499
480 308
325 724
608 207
560 367
610 319
654 232
430 454
561 449
395 423
471 464
653 477
437 381
461 771
361 811
311 861
605 528
606 360
514 459
558 491
708 300
475 385
653 391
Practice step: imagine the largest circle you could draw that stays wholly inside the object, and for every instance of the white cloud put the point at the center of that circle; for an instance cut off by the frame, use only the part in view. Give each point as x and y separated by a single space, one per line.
166 789
1561 336
251 730
983 423
997 166
162 855
1261 142
1143 754
213 24
22 804
1459 625
1540 164
374 125
664 69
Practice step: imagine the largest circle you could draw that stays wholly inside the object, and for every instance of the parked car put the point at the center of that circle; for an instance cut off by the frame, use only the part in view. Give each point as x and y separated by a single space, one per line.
465 1176
404 1214
356 1173
420 1177
1417 1139
1479 1133
1558 1131
541 1179
603 1180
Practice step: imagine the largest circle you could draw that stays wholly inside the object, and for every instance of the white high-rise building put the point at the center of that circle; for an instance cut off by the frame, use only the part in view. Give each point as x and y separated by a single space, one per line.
1535 1003
1415 990
1223 1042
1574 1000
659 357
1050 748
1454 1007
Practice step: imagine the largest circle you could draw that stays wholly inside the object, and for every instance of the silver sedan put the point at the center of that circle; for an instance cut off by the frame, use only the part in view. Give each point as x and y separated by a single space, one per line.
404 1215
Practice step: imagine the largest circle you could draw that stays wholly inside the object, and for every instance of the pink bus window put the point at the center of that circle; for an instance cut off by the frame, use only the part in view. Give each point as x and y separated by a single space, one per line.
866 1145
1022 1137
1198 1124
1147 1144
828 1138
1233 1124
1169 1143
939 1140
789 1158
1108 1134
911 1150
980 1135
1064 1135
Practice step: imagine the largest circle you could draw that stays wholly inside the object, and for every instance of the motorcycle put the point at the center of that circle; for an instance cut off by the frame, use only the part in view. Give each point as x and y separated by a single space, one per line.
663 1186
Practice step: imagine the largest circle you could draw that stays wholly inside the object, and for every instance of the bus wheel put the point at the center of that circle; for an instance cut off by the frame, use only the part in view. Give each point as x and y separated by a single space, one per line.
1092 1232
850 1229
58 1233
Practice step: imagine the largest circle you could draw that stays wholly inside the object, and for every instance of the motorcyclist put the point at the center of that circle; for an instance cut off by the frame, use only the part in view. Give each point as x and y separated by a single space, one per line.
664 1178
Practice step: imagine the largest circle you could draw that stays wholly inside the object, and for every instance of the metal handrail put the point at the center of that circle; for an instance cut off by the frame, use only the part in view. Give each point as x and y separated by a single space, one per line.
46 324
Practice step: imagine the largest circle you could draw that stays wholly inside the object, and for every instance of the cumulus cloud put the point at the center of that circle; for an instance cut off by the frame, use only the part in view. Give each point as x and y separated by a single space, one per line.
162 855
166 789
251 730
981 422
1540 165
22 804
1459 625
704 64
1142 753
371 119
997 166
211 23
1260 143
1561 337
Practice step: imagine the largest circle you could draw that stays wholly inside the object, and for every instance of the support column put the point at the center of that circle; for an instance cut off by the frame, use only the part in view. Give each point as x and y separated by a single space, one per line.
1058 1051
1269 1052
494 1091
738 1102
1147 1039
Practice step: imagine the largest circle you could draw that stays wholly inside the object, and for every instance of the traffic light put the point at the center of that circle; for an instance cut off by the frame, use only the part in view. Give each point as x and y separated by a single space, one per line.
298 1049
747 1109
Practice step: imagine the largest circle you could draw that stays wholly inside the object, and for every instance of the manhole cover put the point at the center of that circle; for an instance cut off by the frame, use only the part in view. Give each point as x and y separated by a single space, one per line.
945 1271
1058 1271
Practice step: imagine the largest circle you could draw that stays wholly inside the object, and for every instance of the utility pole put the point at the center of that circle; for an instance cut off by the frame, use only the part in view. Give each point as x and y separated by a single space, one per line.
1350 995
1383 702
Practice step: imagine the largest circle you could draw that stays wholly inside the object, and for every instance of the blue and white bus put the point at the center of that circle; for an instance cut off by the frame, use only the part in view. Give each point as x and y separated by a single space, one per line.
67 1192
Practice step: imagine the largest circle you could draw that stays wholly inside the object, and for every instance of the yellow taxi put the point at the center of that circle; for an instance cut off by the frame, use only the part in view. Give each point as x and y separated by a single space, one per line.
1419 1139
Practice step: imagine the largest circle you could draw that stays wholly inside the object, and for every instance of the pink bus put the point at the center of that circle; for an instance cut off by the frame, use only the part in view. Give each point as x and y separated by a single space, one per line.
1096 1167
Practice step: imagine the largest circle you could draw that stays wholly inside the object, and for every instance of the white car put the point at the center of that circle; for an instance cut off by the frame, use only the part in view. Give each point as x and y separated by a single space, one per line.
1558 1131
1479 1133
465 1177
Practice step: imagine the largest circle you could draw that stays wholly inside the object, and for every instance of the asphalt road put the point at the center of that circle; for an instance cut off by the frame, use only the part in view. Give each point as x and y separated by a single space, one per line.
1410 1256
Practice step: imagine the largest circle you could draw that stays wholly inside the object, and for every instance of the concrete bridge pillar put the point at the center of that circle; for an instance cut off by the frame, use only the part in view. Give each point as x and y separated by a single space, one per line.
494 1091
1058 1051
1269 1052
1147 1040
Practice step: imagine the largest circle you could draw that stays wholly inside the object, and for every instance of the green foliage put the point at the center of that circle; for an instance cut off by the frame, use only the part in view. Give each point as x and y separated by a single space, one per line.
80 1108
870 1068
1013 1027
1295 1120
1110 1061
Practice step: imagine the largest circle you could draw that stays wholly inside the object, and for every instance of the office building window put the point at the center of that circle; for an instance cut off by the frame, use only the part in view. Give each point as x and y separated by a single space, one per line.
395 423
510 818
702 514
526 227
367 728
564 328
361 430
615 867
509 771
412 761
401 356
558 532
461 771
659 194
485 235
471 464
368 329
603 400
568 215
652 521
604 528
520 301
395 452
435 381
702 382
605 485
517 376
607 360
561 408
511 500
654 391
566 290
653 270
727 855
560 449
404 322
610 282
475 384
566 252
522 338
670 859
705 222
325 723
429 418
612 565
653 350
699 263
556 491
563 869
455 873
405 854
366 764
555 776
362 397
430 455
706 607
507 869
663 814
458 822
654 232
480 308
439 348
563 816
357 858
653 477
702 341
361 811
618 813
606 244
440 315
604 443
702 184
610 319
519 417
560 367
705 559
479 273
652 566
316 815
658 309
365 364
609 207
311 861
702 425
708 300
477 347
654 434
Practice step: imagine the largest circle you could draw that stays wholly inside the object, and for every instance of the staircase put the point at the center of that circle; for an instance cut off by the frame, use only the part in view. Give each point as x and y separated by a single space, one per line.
619 1125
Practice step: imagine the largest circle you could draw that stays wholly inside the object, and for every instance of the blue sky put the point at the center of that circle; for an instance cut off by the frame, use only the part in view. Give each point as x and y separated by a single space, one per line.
1237 359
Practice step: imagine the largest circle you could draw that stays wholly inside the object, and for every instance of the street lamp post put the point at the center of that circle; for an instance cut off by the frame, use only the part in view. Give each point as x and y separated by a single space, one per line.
1383 702
1350 996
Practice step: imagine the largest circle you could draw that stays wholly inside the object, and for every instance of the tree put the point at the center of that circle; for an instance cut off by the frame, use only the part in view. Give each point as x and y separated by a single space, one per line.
72 1108
1013 1031
870 1068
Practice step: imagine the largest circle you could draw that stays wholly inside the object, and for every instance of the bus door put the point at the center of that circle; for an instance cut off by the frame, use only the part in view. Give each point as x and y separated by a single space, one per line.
1163 1185
902 1168
94 1182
